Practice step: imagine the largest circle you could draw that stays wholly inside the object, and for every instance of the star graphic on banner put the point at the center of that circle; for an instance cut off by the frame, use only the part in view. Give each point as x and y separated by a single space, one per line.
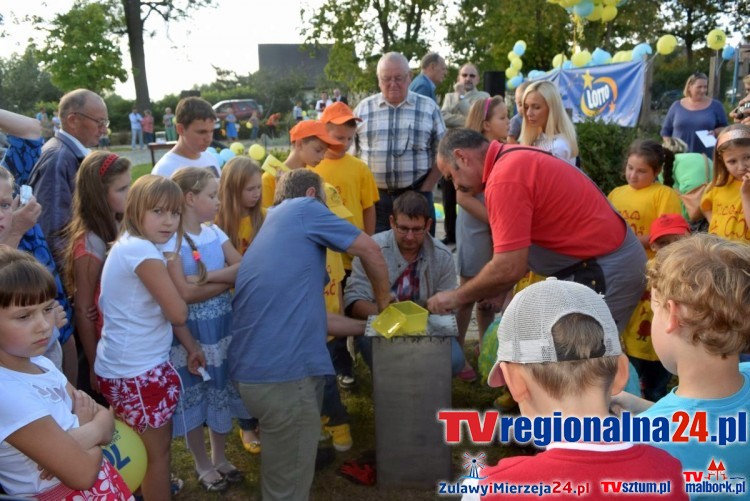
587 80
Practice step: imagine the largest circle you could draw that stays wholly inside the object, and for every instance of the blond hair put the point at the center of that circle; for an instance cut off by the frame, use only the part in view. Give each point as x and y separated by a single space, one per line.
740 134
481 111
580 334
691 80
234 177
710 278
558 122
147 193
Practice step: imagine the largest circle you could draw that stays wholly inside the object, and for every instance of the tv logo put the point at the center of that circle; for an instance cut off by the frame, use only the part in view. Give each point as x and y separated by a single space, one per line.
716 479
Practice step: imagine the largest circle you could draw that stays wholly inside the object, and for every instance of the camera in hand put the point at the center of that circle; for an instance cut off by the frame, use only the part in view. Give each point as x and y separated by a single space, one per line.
742 112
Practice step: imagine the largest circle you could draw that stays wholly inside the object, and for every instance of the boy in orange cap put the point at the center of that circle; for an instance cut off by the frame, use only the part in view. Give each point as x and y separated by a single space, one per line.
355 183
310 141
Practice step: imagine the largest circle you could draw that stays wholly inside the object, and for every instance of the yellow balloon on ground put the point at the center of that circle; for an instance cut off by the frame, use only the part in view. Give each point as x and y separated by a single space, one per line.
256 152
237 148
666 45
609 13
716 39
581 58
127 454
516 64
558 60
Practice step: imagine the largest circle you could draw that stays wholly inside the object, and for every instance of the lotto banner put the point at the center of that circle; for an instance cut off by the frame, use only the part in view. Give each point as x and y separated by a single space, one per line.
612 92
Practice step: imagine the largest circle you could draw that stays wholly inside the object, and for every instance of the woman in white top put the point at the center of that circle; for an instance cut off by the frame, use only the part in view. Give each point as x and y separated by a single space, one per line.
546 125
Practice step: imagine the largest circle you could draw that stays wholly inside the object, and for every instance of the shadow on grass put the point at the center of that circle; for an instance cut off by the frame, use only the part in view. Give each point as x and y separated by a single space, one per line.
328 486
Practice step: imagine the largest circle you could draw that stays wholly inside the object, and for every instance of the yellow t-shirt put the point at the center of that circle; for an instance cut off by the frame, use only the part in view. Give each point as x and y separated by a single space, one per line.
641 207
727 216
637 335
268 188
332 291
245 231
355 183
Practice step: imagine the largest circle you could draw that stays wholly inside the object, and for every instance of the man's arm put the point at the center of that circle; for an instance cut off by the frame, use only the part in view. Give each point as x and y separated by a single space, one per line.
373 263
497 277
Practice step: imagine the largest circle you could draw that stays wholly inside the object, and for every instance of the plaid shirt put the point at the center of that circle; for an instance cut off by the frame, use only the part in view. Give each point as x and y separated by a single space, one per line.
398 143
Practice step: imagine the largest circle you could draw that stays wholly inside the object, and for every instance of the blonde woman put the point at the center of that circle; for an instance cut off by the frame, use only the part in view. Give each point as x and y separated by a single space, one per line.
546 125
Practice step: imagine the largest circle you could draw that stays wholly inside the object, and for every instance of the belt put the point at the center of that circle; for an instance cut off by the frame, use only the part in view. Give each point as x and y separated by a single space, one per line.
394 192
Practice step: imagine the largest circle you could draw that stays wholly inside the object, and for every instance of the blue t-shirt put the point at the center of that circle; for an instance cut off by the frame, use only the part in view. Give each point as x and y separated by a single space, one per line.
697 456
279 316
683 123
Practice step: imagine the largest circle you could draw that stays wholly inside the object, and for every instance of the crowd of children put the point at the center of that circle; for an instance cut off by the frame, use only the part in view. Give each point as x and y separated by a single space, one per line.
150 269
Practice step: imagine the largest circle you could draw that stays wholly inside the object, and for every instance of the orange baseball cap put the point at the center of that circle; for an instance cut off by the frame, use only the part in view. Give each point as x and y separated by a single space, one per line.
314 128
338 113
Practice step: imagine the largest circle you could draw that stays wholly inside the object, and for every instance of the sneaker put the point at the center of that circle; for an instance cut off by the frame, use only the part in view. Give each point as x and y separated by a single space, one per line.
468 375
341 435
346 382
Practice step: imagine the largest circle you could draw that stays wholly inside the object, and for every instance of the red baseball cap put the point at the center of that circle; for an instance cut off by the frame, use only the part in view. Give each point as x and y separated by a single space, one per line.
668 224
338 113
314 128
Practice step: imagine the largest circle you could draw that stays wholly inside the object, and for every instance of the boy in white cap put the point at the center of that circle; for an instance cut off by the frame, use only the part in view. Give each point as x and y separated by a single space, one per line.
559 351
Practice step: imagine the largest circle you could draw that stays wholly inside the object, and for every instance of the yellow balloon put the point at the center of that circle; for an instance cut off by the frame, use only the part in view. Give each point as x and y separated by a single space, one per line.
256 152
512 55
127 454
249 124
716 39
516 64
611 2
237 148
510 72
558 60
609 13
666 45
581 58
596 14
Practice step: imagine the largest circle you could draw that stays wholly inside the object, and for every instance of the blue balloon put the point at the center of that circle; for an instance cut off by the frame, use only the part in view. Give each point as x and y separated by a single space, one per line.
226 154
516 81
212 150
519 49
600 57
727 53
567 65
218 158
584 8
640 51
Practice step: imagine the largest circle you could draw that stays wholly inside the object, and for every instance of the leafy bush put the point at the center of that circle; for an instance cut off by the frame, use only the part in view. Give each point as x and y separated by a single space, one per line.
602 149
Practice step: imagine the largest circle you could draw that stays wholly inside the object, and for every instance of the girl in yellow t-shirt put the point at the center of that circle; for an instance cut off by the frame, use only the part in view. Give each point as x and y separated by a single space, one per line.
726 202
240 217
640 202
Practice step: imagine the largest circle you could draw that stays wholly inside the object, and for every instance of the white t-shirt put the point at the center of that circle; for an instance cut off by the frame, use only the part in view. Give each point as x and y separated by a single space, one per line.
24 398
136 336
209 233
171 161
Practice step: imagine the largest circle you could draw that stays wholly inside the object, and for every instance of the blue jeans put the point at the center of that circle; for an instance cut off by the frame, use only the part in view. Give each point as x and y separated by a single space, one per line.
136 133
364 345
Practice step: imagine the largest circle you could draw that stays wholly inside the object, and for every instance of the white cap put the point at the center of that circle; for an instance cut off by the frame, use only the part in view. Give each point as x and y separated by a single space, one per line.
524 335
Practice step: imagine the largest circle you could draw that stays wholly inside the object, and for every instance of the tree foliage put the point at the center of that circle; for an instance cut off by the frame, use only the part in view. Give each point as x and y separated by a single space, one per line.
23 84
362 30
691 20
81 50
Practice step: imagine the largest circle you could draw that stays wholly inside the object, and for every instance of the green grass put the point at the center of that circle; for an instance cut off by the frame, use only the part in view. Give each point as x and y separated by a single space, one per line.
327 485
139 170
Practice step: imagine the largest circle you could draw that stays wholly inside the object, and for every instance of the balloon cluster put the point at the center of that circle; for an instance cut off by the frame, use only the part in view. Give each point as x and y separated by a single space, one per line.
256 152
513 72
591 10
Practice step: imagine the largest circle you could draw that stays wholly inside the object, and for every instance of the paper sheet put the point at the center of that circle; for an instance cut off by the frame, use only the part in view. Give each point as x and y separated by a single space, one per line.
708 139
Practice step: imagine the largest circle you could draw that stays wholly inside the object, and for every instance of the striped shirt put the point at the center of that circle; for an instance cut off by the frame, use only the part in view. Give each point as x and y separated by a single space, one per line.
398 143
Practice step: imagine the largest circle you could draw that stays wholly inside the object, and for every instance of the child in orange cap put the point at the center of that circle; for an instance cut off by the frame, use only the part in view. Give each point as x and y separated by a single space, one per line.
310 141
355 183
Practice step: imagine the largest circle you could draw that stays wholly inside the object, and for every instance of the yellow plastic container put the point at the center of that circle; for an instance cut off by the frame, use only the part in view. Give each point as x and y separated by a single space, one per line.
401 319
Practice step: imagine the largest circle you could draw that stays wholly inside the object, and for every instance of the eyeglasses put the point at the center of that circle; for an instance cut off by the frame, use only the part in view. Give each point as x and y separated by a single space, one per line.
101 122
404 230
468 75
397 79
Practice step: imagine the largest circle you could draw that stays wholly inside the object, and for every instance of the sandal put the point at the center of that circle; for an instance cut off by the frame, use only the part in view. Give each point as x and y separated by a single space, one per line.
252 447
218 485
230 472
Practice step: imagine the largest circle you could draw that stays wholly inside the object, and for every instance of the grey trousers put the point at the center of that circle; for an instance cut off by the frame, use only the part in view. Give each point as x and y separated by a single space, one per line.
289 416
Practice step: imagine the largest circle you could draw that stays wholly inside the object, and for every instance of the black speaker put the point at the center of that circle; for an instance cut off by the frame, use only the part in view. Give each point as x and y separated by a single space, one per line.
494 83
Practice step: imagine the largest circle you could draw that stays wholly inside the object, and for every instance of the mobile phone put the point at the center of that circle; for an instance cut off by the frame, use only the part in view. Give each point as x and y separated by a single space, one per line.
26 194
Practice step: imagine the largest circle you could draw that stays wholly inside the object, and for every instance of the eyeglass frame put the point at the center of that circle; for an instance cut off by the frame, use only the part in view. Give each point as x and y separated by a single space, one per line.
417 232
399 80
102 122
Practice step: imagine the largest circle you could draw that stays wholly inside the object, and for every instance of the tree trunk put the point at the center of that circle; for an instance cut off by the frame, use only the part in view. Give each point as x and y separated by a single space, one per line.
134 24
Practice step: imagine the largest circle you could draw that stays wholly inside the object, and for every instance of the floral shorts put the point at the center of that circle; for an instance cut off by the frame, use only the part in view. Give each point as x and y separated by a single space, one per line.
148 399
109 486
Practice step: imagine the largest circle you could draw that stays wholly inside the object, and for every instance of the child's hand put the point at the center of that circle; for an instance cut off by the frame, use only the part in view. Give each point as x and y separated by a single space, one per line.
24 218
84 407
61 319
92 314
745 187
196 358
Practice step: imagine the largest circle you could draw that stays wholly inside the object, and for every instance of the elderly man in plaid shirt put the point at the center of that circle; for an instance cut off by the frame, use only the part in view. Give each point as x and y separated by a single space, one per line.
398 137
